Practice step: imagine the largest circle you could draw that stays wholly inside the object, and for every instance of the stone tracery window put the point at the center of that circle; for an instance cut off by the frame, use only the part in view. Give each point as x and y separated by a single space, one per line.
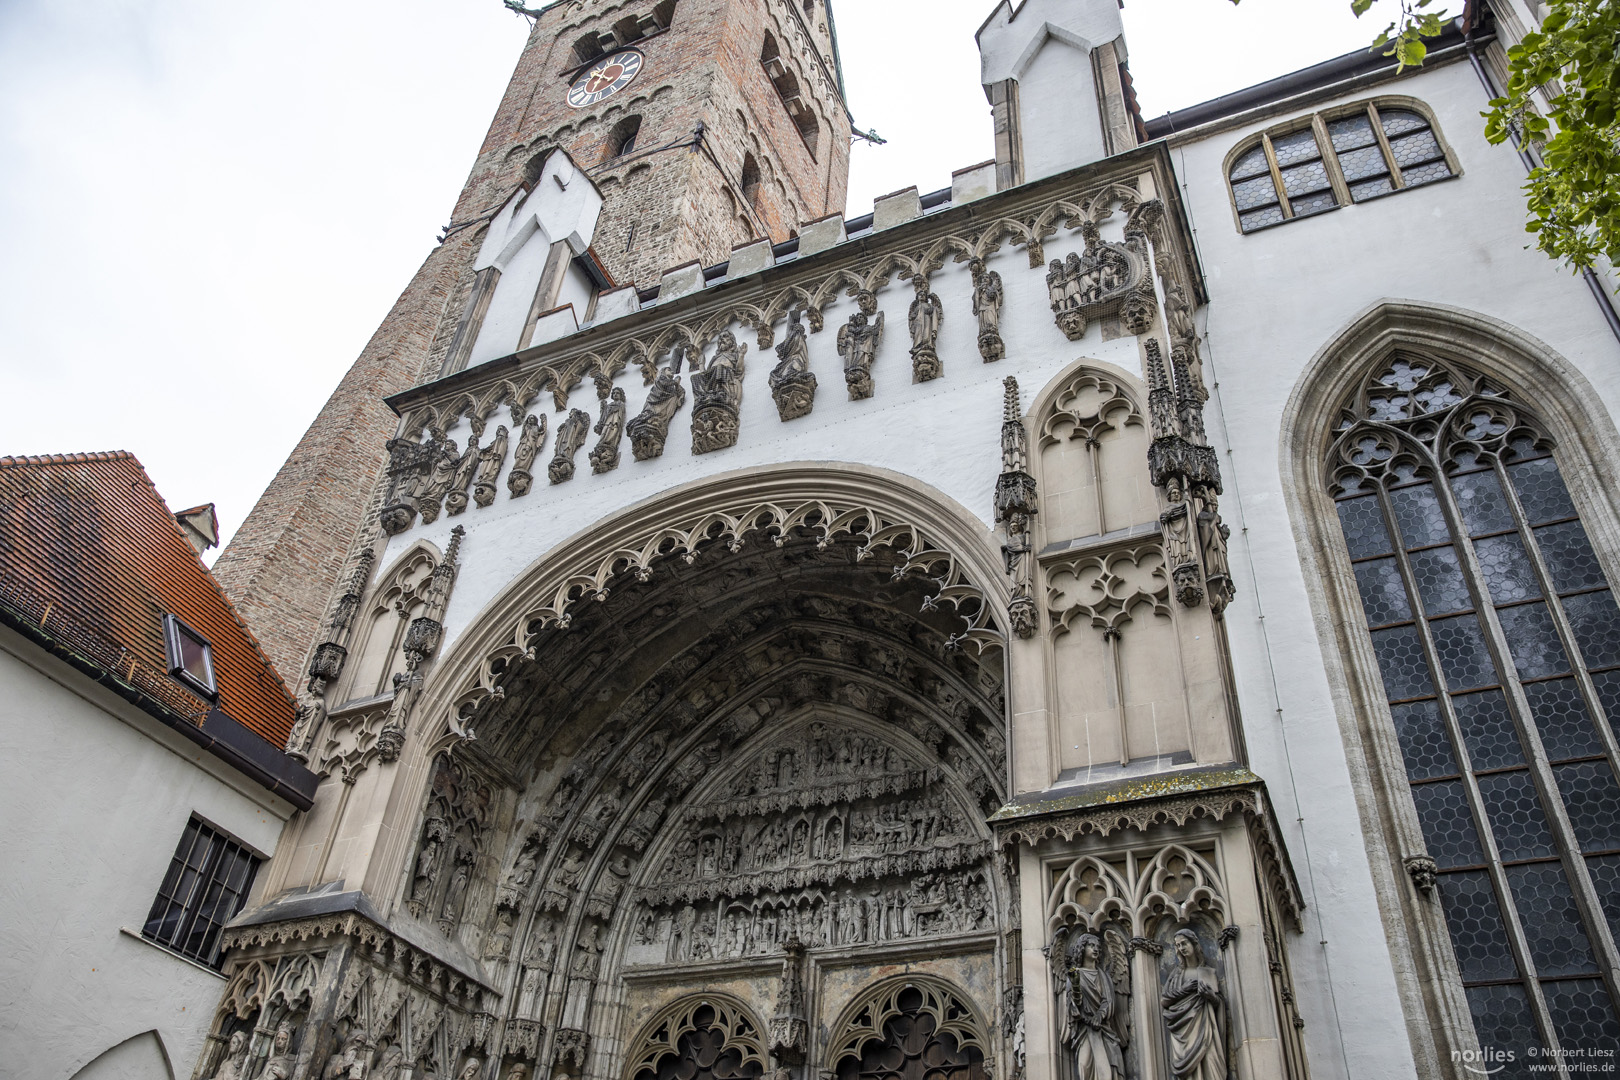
1498 638
911 1030
1377 148
706 1038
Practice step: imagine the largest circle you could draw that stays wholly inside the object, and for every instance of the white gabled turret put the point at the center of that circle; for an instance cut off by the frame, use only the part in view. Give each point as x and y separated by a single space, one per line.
1052 70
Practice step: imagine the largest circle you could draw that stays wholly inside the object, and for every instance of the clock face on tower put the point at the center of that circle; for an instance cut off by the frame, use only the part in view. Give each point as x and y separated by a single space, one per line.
605 78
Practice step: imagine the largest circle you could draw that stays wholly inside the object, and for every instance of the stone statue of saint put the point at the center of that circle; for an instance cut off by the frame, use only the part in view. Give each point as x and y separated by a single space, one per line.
436 482
1194 1013
456 501
349 1063
650 429
858 342
923 320
280 1065
1093 1027
490 460
457 889
391 1064
427 860
231 1067
717 396
605 455
571 435
469 1071
530 441
793 385
987 299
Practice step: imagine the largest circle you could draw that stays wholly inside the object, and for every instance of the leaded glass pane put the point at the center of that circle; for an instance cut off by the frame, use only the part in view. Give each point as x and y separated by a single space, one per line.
1371 189
1590 799
1400 121
1605 871
1257 192
1414 149
1400 658
1259 219
1295 147
1424 742
1596 622
1312 204
1484 507
1440 581
1363 164
1560 716
1508 573
1487 730
1418 175
1464 658
1569 557
1516 816
1418 514
1533 640
1551 921
1253 163
1383 594
1583 1018
1506 1025
1478 935
1351 132
1608 692
1306 178
1448 826
1541 490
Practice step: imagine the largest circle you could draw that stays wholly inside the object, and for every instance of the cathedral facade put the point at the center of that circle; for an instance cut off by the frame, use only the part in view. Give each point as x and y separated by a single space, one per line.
1088 623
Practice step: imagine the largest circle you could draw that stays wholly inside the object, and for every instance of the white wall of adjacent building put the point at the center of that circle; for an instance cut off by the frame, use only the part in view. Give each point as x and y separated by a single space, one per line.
94 797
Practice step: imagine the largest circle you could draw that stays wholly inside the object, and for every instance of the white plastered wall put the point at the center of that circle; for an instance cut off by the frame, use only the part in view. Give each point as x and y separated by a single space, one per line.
1276 298
95 796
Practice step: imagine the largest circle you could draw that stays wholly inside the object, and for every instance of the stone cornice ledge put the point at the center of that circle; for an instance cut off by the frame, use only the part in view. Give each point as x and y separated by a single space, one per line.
1162 799
305 916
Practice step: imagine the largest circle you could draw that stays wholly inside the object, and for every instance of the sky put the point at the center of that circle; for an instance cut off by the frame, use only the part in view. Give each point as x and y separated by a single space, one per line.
210 206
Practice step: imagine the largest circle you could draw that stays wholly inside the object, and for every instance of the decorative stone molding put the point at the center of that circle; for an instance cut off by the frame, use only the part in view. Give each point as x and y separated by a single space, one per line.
1174 799
422 639
1016 503
721 1023
957 1030
1423 871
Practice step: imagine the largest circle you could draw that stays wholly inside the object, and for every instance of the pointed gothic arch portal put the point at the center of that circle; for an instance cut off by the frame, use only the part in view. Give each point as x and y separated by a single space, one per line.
740 749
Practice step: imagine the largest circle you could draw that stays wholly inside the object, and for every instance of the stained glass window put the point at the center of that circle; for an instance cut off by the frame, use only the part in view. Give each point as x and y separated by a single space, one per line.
1376 150
1498 638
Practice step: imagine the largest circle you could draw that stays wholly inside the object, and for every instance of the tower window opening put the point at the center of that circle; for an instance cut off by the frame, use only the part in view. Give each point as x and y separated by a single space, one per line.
787 88
750 179
664 14
622 139
591 45
627 30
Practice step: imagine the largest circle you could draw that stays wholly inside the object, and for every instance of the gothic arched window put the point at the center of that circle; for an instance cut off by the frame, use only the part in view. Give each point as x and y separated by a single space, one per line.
1498 638
622 140
1329 159
707 1038
912 1029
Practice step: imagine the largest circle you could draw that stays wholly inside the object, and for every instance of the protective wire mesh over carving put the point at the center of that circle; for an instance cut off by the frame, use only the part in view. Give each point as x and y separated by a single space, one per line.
1498 639
708 1038
914 1030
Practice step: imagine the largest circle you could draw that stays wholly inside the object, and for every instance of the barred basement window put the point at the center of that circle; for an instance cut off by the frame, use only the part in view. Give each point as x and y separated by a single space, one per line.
207 884
1498 638
1378 148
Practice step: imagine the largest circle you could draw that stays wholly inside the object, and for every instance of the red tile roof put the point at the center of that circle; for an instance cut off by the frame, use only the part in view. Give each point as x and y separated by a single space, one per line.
90 537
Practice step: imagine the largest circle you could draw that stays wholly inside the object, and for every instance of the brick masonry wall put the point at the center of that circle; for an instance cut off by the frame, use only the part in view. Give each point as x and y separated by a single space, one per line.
285 562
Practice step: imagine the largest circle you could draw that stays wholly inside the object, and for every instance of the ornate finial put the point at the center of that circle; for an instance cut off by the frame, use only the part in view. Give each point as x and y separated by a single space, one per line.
453 552
1011 412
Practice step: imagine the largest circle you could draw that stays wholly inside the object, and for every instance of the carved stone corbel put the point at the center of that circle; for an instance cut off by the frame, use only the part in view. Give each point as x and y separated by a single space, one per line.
570 1050
1423 871
1016 503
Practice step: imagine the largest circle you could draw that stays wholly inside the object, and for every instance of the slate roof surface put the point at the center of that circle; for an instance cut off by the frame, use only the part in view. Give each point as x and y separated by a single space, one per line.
88 537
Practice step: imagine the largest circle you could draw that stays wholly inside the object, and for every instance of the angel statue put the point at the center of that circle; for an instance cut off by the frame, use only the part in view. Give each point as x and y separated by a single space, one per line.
1194 1013
1093 984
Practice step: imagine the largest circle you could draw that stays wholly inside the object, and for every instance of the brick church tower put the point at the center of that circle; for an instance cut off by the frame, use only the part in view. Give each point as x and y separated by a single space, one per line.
704 124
